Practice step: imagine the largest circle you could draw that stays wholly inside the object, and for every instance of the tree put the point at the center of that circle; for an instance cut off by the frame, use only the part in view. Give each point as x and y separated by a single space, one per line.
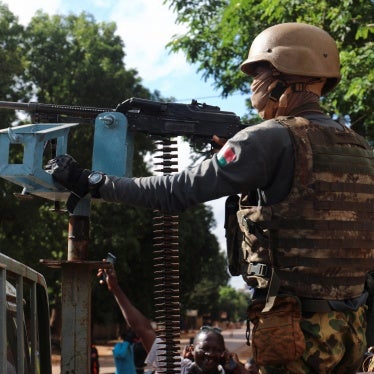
12 62
11 88
74 60
197 223
233 302
219 33
203 266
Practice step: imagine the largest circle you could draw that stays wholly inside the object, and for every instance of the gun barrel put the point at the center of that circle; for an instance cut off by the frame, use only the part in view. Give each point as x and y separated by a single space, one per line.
14 105
69 110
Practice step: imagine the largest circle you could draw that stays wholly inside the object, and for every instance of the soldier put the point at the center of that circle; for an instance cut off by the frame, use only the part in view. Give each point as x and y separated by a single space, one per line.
305 212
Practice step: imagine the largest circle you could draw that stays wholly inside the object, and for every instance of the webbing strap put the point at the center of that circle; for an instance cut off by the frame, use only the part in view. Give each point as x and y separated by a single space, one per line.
321 136
323 263
346 206
325 243
318 279
342 187
319 225
272 292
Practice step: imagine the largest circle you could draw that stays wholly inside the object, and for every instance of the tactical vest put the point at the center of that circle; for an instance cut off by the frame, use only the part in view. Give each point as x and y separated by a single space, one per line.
320 239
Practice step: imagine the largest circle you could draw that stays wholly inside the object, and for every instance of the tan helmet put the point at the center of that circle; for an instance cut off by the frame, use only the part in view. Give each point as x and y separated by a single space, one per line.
296 49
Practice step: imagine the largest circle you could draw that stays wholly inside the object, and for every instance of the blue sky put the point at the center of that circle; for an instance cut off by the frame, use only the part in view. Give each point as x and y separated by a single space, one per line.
146 26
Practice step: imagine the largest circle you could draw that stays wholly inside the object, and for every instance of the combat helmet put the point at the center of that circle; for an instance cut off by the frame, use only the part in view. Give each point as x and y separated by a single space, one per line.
296 49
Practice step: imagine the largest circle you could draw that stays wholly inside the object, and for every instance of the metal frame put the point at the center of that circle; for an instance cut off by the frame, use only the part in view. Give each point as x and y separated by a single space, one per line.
20 275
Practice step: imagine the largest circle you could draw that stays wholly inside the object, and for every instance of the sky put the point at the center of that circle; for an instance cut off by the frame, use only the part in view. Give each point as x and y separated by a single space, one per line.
146 26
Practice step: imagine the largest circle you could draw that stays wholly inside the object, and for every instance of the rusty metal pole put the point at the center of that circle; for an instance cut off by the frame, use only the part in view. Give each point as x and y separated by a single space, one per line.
76 296
78 238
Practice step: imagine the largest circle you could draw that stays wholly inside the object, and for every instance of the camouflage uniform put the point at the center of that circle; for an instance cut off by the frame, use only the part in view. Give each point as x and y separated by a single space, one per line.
370 365
335 343
320 242
259 162
327 215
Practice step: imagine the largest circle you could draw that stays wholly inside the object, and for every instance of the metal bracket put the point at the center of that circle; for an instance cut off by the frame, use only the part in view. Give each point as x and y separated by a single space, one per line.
113 146
112 153
29 173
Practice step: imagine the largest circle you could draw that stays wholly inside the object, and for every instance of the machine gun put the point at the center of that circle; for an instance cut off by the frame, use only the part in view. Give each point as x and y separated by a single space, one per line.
112 154
196 121
113 135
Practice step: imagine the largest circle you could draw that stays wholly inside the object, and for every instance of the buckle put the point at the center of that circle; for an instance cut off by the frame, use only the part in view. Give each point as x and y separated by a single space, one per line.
277 91
262 270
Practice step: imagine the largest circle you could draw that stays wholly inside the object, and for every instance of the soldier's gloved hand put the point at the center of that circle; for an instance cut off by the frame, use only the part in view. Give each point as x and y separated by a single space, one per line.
66 171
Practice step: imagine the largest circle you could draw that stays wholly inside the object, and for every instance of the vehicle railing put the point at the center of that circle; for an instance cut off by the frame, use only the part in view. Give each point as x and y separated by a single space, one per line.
39 342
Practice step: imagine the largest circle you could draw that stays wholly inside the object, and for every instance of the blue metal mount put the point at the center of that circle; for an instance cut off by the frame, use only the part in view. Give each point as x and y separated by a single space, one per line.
112 152
113 147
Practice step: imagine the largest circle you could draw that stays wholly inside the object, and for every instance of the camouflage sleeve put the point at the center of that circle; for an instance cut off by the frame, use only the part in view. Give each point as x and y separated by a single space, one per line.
253 158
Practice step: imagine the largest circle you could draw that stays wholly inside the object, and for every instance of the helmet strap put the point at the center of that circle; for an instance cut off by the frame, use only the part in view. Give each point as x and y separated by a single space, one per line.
314 85
276 90
298 93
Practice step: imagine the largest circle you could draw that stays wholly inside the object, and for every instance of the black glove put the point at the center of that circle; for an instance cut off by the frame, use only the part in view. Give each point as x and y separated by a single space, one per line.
66 171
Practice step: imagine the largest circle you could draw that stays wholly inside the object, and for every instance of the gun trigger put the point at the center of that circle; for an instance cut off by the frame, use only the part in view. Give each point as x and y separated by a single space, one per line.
215 145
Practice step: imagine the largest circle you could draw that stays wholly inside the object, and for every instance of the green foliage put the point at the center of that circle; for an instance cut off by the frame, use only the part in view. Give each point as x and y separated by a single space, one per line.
202 265
12 60
204 298
74 60
220 33
234 303
121 230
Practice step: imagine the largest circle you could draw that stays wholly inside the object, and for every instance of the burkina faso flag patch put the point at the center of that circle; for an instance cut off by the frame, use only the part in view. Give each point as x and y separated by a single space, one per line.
225 155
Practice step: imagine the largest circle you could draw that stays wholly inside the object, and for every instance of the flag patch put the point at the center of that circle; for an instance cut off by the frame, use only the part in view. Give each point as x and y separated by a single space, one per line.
225 155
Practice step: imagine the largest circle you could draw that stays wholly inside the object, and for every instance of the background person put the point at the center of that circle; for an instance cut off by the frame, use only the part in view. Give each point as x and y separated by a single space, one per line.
123 353
95 363
140 354
208 353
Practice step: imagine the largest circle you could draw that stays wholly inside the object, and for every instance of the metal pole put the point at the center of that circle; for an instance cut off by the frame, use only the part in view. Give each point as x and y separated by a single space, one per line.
76 295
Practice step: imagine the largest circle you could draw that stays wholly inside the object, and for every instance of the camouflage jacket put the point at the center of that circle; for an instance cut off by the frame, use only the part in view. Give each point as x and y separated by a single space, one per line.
320 239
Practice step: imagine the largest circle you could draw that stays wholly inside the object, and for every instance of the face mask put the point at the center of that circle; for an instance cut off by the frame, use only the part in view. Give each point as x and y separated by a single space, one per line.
259 88
289 94
264 85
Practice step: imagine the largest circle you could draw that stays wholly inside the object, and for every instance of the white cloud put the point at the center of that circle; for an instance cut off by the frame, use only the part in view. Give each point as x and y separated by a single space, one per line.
146 27
25 10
